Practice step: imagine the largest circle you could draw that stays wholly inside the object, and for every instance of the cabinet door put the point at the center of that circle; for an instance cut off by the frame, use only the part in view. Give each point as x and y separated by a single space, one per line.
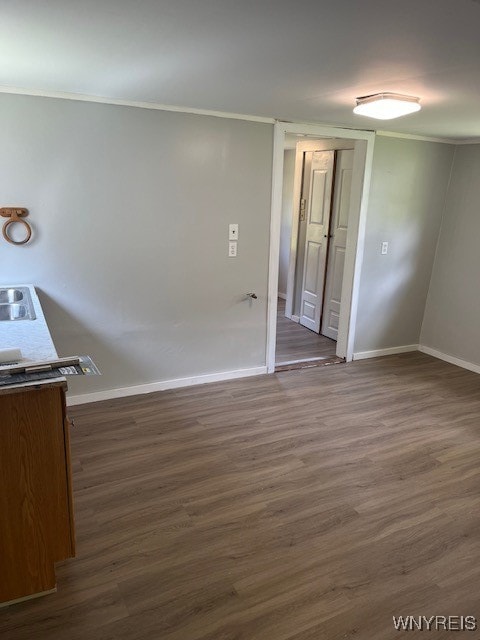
35 527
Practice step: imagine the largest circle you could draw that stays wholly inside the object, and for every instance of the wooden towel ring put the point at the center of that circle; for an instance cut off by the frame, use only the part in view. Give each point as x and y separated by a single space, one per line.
16 214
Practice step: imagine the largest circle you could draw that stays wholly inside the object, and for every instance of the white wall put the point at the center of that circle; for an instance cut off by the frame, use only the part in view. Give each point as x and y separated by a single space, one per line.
286 224
407 199
131 210
452 316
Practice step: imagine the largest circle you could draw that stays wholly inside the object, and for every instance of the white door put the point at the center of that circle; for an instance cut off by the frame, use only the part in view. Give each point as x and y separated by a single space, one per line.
338 243
318 205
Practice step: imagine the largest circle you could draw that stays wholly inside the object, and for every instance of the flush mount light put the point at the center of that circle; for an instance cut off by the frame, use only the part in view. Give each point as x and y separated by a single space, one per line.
386 106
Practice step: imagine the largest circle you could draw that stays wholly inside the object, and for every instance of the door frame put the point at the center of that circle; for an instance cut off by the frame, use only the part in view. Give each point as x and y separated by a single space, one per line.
302 147
362 172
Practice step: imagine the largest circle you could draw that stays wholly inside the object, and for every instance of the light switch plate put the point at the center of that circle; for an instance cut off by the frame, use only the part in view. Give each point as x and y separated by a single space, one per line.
232 249
384 248
233 231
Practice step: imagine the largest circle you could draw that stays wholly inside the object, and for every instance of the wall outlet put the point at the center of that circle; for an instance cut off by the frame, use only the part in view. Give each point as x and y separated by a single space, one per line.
233 231
232 249
384 248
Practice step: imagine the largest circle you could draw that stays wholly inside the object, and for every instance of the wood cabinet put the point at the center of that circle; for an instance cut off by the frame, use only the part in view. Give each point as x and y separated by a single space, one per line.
36 507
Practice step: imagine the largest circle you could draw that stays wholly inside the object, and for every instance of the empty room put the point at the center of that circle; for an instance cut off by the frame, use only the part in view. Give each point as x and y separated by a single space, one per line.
239 319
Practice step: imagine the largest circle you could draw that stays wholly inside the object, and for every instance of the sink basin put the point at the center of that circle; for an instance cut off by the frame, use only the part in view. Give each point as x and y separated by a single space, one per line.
10 295
13 312
16 304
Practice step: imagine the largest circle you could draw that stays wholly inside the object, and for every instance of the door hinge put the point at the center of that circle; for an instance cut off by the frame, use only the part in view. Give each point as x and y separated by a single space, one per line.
303 204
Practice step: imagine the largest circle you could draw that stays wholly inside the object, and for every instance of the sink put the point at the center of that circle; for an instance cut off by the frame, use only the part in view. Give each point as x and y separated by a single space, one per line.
16 304
11 295
13 312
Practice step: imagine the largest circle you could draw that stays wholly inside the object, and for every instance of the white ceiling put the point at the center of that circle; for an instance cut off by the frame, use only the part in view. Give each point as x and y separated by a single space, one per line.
302 60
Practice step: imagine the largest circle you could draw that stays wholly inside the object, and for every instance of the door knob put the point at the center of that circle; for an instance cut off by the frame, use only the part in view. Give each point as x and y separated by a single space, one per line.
253 296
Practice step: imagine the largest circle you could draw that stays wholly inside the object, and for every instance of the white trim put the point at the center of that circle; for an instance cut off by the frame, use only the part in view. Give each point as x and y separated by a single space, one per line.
462 141
410 136
283 296
295 318
325 130
406 348
275 228
352 279
465 364
156 106
176 383
325 144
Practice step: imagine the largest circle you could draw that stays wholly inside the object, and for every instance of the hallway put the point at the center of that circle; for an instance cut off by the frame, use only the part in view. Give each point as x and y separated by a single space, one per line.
295 342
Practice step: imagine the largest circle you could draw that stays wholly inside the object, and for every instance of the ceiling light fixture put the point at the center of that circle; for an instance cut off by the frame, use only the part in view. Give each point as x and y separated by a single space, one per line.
386 106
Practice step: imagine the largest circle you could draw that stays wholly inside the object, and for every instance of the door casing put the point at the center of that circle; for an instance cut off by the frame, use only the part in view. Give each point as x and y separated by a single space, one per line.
362 169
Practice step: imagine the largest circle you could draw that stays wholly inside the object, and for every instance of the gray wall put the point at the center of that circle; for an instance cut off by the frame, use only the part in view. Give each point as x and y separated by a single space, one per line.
452 316
406 205
286 224
131 210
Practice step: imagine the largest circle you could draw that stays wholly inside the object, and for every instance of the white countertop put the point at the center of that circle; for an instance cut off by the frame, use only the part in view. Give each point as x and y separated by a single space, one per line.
32 337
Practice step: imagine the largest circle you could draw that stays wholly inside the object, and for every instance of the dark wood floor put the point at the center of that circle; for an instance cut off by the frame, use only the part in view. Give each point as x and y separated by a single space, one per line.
306 505
295 342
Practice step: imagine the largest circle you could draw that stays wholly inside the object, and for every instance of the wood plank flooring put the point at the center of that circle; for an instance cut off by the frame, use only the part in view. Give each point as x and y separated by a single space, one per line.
306 505
295 342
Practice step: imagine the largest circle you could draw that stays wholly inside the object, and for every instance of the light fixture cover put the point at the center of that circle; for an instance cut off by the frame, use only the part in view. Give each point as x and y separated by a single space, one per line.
386 106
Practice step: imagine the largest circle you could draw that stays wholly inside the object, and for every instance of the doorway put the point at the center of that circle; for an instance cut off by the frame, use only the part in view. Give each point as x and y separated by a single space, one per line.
311 268
315 316
298 347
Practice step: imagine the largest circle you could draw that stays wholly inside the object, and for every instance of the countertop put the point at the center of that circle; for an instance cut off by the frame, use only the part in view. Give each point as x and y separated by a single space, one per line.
31 336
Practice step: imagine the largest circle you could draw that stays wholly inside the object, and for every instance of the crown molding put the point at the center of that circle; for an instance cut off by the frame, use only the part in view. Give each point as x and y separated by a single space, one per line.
80 97
410 136
157 106
468 141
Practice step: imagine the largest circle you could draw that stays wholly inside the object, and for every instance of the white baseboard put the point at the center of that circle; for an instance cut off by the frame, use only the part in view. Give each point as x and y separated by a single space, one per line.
163 386
390 351
177 383
283 296
465 364
295 318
